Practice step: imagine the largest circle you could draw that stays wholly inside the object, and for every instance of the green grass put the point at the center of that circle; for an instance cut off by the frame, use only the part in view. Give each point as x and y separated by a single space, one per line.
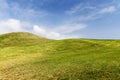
24 56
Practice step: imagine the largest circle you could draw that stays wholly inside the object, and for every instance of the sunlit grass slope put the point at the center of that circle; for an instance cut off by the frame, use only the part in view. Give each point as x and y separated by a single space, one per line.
20 38
25 56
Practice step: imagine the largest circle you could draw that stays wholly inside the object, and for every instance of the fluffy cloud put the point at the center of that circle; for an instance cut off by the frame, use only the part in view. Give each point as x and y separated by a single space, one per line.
46 33
14 25
10 25
38 29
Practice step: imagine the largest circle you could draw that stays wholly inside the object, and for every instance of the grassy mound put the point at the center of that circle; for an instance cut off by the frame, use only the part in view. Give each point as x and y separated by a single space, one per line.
25 56
20 38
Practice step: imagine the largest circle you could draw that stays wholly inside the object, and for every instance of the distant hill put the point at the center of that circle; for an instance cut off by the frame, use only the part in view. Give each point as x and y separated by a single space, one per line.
25 56
20 38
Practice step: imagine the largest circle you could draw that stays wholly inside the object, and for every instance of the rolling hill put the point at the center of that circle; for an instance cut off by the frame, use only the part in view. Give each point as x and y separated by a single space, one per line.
25 56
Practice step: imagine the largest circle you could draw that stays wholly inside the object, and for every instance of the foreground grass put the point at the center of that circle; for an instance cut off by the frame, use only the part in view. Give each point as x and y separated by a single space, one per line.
23 57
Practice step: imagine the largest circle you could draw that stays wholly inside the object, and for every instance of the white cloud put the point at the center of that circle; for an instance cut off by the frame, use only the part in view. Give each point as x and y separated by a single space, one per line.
10 25
109 9
46 33
62 32
38 29
14 25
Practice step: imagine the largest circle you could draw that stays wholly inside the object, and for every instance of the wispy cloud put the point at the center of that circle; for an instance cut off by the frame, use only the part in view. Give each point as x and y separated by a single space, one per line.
109 9
99 13
26 13
14 10
96 14
61 32
86 11
80 8
71 27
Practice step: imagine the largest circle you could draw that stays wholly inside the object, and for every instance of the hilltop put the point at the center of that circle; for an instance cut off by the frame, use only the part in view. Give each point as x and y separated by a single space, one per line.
20 38
26 56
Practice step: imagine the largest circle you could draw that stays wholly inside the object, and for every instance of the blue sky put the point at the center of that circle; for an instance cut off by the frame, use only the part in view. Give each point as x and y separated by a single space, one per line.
60 19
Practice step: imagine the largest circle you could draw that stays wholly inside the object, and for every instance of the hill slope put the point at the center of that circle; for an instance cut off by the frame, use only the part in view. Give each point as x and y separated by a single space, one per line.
25 56
20 38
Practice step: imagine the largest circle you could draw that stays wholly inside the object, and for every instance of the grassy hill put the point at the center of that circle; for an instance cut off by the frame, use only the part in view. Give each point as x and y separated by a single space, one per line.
25 56
20 38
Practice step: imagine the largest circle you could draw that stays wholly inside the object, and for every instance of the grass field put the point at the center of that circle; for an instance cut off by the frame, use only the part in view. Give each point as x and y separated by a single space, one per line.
24 56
